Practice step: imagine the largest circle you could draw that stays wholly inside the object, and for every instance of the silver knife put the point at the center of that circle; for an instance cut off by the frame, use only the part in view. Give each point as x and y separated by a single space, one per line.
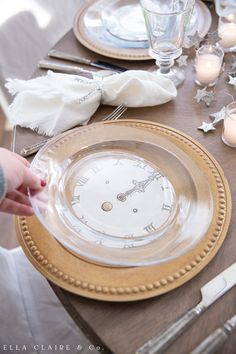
74 58
210 292
75 70
68 69
216 339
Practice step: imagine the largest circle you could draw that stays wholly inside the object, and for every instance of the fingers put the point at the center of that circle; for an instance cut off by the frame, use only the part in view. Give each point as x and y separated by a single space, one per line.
11 155
32 181
23 160
42 197
34 192
13 207
18 197
21 198
40 204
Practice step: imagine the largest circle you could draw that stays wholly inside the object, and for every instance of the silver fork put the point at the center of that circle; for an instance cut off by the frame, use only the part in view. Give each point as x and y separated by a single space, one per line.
114 115
32 149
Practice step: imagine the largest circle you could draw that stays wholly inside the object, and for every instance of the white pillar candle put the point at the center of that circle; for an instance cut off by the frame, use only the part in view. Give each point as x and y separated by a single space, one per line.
227 31
208 64
208 68
229 131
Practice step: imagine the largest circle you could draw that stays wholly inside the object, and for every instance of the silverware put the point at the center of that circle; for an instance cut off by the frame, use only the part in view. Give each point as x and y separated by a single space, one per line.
68 69
75 70
210 292
74 58
32 149
217 338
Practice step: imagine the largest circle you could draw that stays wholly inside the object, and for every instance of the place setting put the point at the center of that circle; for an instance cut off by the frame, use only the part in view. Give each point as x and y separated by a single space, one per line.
117 29
106 172
132 208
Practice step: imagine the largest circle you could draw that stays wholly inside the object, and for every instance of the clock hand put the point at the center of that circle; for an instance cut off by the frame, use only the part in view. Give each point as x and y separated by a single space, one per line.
139 186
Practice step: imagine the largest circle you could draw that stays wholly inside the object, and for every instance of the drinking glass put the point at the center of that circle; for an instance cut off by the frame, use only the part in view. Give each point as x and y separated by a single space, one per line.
227 32
208 65
229 128
166 24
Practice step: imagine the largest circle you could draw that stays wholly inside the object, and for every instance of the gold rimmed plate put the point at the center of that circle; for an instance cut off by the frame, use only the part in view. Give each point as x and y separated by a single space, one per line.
110 28
208 190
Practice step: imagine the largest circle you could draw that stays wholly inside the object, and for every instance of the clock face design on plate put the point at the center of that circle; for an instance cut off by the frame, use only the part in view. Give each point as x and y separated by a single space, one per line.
121 194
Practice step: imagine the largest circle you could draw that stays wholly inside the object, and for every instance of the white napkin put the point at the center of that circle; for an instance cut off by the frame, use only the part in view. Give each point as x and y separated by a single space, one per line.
53 103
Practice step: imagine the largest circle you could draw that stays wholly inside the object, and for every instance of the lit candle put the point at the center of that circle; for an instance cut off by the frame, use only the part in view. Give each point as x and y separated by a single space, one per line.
229 130
208 65
227 31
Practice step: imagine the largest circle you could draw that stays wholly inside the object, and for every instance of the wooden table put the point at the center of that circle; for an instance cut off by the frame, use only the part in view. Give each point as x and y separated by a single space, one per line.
120 328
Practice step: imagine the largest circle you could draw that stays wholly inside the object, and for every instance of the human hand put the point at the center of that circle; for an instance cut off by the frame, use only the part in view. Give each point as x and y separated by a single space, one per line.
18 178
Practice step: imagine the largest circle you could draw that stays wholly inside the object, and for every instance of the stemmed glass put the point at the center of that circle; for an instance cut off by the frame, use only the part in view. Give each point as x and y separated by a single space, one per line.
166 23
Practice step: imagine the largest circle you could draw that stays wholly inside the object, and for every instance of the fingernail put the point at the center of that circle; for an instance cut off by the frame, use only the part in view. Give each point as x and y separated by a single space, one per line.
43 183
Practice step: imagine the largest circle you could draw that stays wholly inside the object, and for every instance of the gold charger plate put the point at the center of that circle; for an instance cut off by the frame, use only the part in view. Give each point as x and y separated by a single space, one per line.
90 31
133 283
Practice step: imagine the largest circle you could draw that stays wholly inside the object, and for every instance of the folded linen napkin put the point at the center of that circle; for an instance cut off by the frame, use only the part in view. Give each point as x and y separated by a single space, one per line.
55 102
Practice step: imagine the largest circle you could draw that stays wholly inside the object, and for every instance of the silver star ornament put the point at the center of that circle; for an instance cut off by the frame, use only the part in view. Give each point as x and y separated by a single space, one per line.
232 81
182 61
206 127
213 37
205 96
192 40
218 116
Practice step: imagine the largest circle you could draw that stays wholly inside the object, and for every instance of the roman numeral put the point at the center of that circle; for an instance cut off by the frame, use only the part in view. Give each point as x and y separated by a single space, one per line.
150 228
81 181
96 169
141 165
75 200
158 175
130 245
165 187
166 207
118 163
83 219
129 235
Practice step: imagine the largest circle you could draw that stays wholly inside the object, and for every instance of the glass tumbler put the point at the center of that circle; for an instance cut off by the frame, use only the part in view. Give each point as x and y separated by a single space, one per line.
208 64
166 23
227 32
229 128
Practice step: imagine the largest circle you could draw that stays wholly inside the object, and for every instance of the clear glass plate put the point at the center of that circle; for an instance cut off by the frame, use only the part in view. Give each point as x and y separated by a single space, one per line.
124 19
116 28
122 196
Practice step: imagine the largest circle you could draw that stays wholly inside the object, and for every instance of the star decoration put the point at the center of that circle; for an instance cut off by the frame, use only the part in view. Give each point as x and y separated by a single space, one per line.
205 96
213 37
182 61
206 127
218 116
192 40
232 81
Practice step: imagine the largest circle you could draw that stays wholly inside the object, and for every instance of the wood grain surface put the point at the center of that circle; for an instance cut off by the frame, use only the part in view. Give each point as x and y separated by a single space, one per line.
123 327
